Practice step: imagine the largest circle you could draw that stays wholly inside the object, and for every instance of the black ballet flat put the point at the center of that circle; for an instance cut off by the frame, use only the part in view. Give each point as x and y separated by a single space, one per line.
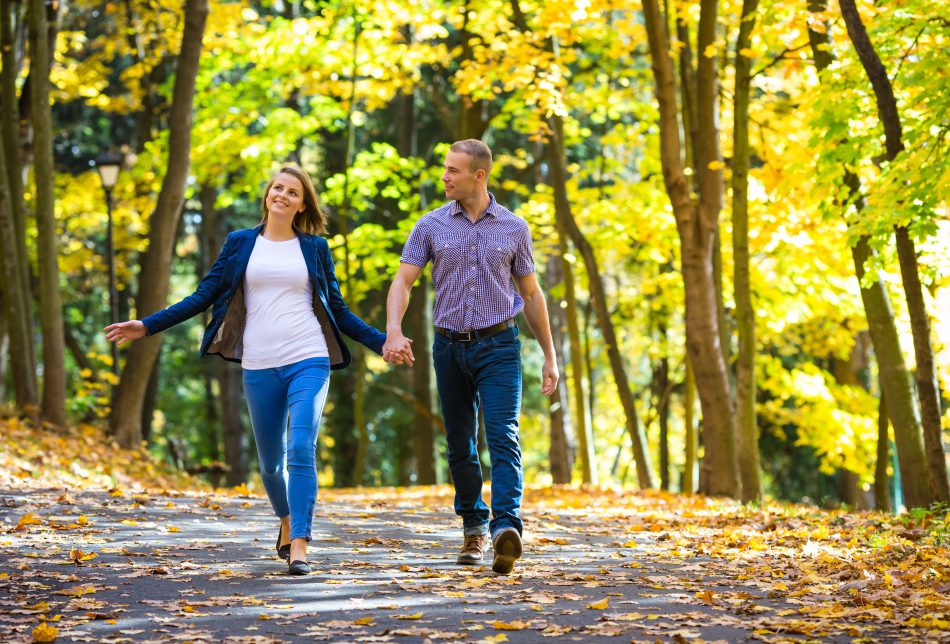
298 568
282 551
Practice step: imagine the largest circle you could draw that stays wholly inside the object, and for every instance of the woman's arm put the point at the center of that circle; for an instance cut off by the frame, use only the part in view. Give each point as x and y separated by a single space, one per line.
199 301
348 322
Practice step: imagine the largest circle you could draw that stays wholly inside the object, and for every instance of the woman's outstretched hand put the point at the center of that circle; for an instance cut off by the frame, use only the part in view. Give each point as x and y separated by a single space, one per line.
125 331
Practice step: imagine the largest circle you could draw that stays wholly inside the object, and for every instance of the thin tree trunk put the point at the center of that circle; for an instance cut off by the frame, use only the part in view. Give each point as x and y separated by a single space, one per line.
563 443
697 223
882 488
578 360
156 263
895 379
10 130
928 389
53 406
661 394
16 304
689 420
645 475
4 357
748 432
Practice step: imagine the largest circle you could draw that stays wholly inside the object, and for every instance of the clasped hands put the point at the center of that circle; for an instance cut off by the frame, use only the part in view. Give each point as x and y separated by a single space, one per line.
398 350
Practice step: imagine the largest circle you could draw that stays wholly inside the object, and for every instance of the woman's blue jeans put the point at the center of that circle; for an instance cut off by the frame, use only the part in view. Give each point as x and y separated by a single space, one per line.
487 370
286 450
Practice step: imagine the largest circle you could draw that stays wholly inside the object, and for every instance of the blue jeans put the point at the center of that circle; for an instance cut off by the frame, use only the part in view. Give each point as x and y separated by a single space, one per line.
288 465
486 370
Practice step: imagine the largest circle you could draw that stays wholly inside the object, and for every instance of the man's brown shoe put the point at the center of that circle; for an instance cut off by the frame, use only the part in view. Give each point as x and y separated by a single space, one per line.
507 548
473 549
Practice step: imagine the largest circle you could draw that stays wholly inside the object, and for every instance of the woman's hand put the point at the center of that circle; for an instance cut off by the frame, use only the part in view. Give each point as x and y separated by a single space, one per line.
125 331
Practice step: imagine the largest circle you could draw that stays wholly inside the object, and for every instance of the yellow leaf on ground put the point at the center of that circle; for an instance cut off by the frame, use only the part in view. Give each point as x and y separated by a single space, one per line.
82 520
413 616
28 519
601 605
172 528
76 591
501 637
45 633
364 621
510 626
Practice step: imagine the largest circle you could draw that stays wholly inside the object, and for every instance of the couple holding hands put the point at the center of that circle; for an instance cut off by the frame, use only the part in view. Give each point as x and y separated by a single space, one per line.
277 309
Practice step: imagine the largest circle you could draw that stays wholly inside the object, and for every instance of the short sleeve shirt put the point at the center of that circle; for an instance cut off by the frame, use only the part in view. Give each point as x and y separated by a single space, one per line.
472 263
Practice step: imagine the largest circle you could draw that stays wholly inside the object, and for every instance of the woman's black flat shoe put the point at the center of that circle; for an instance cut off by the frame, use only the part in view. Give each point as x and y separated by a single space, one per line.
298 568
282 551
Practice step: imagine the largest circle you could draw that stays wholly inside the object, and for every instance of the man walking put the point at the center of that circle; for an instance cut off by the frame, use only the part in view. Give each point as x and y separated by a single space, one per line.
483 275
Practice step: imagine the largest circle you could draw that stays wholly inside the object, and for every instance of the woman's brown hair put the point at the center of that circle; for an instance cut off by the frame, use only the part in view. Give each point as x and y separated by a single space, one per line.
312 220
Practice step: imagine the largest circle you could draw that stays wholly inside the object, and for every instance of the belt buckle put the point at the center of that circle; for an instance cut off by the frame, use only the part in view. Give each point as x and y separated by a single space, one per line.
467 338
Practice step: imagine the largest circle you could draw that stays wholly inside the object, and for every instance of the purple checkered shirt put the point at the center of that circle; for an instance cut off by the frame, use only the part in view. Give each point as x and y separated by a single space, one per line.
472 264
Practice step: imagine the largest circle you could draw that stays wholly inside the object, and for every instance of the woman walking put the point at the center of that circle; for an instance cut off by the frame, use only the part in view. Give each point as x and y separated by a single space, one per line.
277 310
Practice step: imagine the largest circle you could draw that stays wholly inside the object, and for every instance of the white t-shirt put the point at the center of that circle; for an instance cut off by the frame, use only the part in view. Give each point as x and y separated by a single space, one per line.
281 328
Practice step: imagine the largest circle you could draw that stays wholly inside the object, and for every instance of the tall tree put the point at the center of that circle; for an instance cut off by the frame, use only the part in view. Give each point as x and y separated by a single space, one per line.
928 389
126 418
894 377
697 222
556 157
53 405
748 433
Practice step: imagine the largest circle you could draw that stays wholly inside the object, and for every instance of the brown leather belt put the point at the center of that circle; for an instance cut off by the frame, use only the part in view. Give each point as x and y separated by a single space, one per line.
470 336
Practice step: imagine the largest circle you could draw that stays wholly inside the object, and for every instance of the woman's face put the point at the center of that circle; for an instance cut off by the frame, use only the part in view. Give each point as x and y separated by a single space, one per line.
285 197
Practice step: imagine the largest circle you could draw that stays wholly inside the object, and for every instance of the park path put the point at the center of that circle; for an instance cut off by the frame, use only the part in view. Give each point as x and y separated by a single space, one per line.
200 567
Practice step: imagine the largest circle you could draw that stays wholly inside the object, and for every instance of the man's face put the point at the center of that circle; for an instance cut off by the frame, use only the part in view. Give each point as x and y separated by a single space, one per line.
459 179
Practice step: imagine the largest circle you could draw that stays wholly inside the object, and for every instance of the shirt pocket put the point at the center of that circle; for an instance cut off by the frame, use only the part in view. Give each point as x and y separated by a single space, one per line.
447 250
499 253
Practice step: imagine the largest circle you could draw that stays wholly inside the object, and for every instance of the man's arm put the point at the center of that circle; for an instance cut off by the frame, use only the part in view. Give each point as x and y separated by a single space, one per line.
536 314
397 346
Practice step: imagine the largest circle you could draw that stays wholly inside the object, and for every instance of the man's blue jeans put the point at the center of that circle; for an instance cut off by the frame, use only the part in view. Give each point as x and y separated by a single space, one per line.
486 370
285 450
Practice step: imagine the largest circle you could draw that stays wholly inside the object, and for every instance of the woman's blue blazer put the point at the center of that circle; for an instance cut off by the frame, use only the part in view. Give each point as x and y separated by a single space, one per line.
223 290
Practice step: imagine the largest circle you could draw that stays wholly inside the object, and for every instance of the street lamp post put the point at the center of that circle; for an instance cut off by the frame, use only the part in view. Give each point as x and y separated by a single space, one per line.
108 165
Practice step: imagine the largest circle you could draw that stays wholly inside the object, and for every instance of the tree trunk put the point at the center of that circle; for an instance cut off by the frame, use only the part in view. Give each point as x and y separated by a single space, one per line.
563 442
689 420
661 396
16 304
53 406
156 263
928 389
577 360
697 223
10 131
565 218
882 488
748 431
894 377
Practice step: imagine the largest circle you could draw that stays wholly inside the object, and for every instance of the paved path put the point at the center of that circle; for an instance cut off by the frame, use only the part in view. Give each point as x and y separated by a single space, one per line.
203 569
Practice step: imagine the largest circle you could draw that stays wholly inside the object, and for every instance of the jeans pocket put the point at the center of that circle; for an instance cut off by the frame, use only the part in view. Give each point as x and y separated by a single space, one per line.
440 346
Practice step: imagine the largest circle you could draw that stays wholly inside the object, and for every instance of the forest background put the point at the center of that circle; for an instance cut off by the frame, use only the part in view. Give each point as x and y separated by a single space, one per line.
739 212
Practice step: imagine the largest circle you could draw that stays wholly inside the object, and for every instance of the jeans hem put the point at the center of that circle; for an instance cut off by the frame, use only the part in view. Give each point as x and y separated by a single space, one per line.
478 529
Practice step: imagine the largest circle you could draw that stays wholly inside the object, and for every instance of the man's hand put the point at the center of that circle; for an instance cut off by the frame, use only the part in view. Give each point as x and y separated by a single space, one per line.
549 376
398 349
122 332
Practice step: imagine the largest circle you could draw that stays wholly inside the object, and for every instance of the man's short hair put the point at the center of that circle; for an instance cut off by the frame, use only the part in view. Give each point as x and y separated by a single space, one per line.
478 151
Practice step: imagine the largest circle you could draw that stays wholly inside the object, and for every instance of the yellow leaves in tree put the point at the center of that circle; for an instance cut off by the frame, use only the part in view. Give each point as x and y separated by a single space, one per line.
716 165
45 633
